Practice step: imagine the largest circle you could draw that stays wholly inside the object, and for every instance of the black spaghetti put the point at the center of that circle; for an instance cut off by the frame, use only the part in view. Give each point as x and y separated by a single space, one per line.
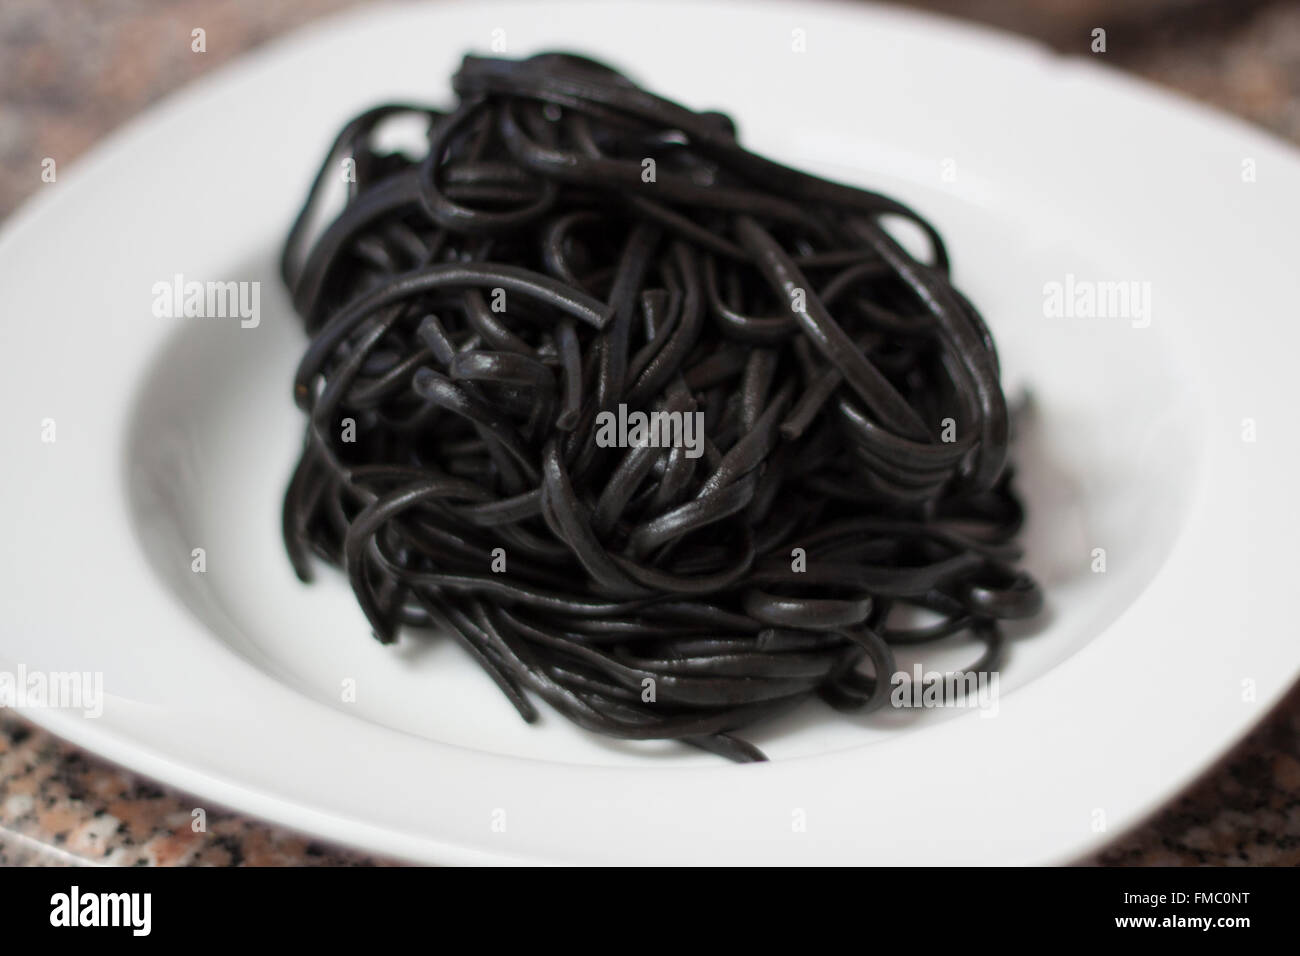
572 251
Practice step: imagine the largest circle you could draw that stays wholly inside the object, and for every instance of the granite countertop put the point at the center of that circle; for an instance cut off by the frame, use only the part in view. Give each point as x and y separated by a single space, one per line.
71 72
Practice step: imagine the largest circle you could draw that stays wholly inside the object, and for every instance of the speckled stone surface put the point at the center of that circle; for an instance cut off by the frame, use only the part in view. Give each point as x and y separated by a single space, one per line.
72 70
59 805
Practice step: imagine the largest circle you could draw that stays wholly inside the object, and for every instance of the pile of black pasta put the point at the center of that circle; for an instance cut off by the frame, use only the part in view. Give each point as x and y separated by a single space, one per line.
571 243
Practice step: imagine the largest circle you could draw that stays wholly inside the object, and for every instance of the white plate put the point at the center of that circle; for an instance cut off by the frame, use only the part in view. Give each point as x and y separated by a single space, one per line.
173 434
